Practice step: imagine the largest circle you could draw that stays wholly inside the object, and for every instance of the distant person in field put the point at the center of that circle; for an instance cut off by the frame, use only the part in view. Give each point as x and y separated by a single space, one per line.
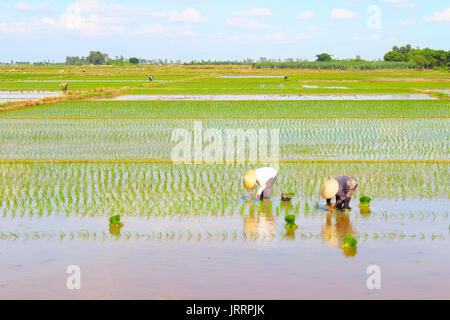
342 188
263 177
64 86
150 78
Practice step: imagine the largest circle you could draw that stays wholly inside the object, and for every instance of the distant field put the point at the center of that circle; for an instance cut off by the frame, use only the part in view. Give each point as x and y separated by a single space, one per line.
205 79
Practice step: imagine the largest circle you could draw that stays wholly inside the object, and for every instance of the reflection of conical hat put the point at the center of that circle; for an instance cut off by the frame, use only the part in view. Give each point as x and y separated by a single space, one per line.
330 235
249 179
250 224
329 189
266 225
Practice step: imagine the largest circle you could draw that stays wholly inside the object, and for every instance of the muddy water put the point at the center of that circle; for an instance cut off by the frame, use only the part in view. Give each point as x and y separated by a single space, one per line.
238 253
262 97
287 266
12 96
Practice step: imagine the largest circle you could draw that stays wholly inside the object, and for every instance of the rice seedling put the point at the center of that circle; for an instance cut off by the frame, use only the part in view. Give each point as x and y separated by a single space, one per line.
290 222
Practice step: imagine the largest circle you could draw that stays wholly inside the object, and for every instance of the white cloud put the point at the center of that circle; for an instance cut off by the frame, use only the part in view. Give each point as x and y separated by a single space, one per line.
401 3
241 22
24 6
306 15
33 27
443 16
312 28
276 36
242 19
271 36
408 22
160 30
343 14
254 12
93 18
189 15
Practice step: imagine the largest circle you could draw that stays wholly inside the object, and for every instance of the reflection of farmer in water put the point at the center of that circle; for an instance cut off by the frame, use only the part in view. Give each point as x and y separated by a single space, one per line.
263 177
263 223
343 188
333 234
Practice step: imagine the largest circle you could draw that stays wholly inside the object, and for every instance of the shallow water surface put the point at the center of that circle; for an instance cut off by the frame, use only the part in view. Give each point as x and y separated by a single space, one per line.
187 235
12 96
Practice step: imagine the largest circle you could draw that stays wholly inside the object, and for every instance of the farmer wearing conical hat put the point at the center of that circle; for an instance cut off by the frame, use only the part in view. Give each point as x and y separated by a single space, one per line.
342 188
263 177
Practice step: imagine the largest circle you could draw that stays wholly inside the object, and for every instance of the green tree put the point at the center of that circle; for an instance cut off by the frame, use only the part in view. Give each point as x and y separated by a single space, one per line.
403 50
96 58
418 59
133 60
394 56
75 61
323 57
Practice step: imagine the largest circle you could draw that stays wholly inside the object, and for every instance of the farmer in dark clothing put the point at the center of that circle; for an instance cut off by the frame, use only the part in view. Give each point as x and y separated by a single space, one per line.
150 78
343 188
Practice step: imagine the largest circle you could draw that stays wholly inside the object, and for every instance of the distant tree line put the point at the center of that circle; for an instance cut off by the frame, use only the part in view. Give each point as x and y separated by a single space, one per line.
99 58
397 58
94 57
220 62
28 63
350 64
424 58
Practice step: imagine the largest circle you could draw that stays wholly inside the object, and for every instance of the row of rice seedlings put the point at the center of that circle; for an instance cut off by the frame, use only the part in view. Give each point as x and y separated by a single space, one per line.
207 235
338 139
234 108
150 189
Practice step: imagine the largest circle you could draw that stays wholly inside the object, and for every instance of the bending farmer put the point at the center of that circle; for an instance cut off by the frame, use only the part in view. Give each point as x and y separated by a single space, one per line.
343 188
263 177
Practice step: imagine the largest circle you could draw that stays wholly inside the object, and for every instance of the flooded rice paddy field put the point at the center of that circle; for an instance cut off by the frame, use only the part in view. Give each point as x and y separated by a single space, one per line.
188 232
155 139
13 96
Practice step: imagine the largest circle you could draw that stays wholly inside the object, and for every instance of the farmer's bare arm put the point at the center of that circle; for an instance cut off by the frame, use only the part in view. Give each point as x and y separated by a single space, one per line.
329 206
260 190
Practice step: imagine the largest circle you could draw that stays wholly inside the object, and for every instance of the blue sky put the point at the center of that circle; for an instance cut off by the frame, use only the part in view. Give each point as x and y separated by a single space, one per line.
34 30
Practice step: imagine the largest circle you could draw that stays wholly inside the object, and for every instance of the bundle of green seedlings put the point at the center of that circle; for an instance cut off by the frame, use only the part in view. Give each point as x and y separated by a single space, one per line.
114 221
287 196
290 222
349 243
364 201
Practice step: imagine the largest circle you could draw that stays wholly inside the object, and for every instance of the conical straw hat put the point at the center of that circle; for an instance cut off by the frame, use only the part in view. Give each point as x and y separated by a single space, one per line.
249 179
329 189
